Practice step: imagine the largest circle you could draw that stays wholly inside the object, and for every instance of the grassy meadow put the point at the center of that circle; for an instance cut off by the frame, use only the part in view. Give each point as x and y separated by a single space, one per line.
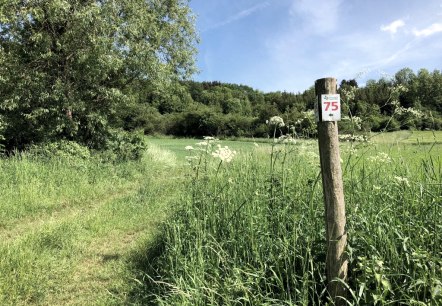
209 226
251 232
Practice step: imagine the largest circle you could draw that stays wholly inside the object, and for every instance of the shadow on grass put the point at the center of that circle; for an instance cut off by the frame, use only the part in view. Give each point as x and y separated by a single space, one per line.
145 265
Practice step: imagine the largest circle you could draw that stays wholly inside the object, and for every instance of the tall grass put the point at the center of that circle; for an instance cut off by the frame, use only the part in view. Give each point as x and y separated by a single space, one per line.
71 229
251 232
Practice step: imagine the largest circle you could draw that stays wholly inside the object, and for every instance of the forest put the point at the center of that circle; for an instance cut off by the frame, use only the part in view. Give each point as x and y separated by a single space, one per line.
189 108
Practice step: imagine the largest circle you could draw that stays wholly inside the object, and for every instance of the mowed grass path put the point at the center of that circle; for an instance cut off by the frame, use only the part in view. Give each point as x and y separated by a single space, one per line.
73 232
409 137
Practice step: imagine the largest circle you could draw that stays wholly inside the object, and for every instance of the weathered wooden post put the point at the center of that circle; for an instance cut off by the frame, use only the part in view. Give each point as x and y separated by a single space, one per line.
328 113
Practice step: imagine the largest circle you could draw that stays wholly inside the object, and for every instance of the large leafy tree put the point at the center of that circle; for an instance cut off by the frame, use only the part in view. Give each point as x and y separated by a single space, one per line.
66 66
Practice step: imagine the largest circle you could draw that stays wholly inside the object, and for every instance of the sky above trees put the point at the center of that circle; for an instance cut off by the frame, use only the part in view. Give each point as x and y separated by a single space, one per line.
287 44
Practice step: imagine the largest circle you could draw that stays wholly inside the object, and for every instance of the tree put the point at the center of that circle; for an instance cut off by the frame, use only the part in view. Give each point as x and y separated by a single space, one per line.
67 66
351 83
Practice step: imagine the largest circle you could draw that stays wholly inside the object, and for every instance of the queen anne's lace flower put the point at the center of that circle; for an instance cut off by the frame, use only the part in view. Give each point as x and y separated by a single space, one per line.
402 180
276 121
224 153
382 158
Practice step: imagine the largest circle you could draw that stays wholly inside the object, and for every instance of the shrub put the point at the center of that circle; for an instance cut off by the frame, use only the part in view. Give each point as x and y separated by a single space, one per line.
196 123
64 149
124 146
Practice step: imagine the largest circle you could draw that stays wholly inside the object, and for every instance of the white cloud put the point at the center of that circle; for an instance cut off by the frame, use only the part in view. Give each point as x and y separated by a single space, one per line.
240 15
433 29
320 16
393 27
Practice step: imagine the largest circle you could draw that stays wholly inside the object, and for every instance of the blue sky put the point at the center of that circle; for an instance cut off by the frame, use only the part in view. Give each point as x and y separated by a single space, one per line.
286 45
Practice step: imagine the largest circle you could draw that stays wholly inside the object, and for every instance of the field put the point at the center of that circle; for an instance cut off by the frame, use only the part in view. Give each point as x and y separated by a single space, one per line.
204 230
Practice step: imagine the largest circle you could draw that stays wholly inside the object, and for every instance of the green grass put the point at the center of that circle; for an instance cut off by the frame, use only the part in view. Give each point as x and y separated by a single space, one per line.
177 145
73 232
251 232
247 232
409 137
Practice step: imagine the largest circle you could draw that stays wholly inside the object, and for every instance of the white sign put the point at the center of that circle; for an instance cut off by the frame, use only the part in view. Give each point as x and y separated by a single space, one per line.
330 107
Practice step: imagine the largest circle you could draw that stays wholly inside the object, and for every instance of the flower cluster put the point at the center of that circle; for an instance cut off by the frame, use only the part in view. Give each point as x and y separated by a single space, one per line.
355 120
286 139
402 181
351 150
224 153
395 93
410 111
349 137
382 158
276 121
206 148
348 93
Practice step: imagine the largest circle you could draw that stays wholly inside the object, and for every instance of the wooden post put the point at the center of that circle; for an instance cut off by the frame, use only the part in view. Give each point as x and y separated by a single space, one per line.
333 198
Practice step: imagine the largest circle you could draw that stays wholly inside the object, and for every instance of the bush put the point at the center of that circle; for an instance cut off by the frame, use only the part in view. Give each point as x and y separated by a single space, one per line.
142 116
64 149
196 123
124 146
236 125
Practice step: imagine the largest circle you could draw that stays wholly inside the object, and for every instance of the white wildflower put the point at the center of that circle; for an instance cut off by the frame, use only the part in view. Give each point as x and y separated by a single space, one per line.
348 94
209 138
276 121
191 158
349 137
402 180
189 148
224 153
309 114
352 151
355 120
410 111
382 158
202 143
287 139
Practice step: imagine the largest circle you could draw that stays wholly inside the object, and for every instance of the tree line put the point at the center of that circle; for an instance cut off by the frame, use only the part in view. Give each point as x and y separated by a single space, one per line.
406 101
103 73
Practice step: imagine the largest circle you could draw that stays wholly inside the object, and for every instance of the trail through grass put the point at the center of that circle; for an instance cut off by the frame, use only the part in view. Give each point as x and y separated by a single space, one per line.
71 233
246 232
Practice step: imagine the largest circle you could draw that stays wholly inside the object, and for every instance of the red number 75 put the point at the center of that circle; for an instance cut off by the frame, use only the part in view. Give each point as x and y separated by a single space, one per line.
334 105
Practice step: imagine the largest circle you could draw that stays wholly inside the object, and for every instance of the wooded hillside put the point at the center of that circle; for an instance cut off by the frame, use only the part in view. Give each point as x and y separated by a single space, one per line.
407 101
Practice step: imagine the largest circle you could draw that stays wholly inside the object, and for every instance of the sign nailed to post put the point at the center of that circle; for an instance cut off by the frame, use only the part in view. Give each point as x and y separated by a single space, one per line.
330 107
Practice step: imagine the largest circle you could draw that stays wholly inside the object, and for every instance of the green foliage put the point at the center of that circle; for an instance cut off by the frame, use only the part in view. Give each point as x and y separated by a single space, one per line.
123 146
67 67
190 108
63 149
198 122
